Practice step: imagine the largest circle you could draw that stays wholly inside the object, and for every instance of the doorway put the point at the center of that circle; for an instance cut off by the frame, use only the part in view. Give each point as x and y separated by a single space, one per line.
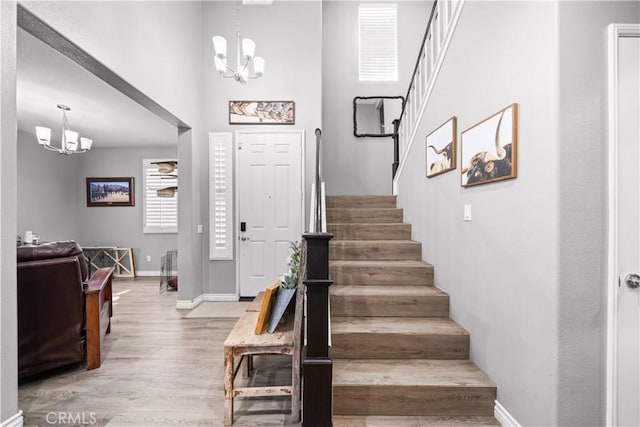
623 342
270 204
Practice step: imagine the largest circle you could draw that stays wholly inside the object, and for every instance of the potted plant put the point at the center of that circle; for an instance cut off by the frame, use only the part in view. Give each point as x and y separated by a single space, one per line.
287 288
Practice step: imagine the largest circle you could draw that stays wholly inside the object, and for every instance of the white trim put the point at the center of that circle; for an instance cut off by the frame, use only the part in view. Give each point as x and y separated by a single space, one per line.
236 204
188 305
615 31
148 273
504 417
183 304
434 77
221 297
16 421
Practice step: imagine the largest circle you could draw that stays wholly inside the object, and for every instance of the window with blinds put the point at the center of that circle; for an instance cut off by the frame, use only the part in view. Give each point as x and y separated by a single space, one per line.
377 42
220 196
160 214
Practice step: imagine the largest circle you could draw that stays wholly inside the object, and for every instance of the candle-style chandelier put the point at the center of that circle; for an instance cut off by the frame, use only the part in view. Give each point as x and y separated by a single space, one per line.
246 61
69 143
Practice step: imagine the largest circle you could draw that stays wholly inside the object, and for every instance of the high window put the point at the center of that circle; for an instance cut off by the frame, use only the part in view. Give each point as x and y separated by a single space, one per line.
160 214
377 42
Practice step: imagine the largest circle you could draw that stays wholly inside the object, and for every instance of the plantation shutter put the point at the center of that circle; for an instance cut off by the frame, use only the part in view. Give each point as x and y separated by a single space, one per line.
160 214
377 42
220 196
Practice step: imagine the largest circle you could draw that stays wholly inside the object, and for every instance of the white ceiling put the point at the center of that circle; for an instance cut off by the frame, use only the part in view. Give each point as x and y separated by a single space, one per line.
98 111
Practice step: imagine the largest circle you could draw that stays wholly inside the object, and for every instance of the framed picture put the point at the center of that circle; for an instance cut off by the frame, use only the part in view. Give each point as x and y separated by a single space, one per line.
441 149
262 113
489 148
265 308
110 192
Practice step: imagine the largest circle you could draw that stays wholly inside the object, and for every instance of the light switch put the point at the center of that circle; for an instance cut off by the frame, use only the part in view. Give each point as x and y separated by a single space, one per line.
467 212
200 229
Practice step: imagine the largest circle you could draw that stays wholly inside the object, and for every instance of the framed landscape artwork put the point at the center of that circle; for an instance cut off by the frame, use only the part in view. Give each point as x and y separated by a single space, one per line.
441 149
262 113
489 149
110 192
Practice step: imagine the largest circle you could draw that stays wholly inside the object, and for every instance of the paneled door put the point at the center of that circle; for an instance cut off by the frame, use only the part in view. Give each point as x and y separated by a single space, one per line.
624 216
270 204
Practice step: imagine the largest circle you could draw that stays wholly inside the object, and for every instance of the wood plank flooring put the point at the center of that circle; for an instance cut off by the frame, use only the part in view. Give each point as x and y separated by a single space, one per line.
158 369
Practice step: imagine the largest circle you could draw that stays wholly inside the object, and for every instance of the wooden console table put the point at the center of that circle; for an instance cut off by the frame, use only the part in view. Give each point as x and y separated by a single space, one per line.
111 256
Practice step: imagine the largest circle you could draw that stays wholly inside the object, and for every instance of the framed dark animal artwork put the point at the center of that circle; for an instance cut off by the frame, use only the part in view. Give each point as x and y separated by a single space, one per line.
441 149
489 148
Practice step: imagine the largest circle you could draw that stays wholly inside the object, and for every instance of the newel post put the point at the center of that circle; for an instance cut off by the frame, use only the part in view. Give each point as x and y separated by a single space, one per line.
316 363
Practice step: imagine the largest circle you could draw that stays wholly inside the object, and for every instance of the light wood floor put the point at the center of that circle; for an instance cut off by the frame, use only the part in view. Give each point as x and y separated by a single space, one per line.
158 369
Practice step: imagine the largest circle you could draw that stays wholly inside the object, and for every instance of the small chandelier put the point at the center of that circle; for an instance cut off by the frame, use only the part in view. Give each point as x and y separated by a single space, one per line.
69 144
244 58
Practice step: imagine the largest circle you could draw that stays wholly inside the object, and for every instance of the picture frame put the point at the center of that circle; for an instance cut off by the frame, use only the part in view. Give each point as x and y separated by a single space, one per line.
262 112
489 149
110 192
265 308
440 147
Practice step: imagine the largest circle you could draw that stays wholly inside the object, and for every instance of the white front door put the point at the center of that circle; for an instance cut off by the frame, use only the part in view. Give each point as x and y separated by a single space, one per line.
270 205
625 211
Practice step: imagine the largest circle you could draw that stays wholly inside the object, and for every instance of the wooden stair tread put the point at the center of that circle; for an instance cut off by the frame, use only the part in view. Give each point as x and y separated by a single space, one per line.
360 201
387 291
379 263
373 241
408 372
412 421
396 325
375 250
389 301
366 215
370 230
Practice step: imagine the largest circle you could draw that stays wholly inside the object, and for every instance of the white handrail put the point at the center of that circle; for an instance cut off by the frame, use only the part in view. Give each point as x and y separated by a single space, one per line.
430 58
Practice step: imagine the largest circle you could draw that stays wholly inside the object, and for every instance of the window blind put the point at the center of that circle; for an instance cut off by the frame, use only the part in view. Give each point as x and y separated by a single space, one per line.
377 42
160 214
220 196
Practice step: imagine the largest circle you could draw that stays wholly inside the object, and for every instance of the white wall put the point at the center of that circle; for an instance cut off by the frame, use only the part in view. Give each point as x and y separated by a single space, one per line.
582 159
48 203
526 274
288 36
501 268
156 47
8 216
121 226
52 199
360 165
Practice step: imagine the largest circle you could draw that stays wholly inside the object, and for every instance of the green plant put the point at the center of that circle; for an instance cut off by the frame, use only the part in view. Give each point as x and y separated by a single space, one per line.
290 278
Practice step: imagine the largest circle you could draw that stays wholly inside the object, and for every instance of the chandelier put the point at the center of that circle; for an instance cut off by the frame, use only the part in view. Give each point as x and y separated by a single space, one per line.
244 58
69 143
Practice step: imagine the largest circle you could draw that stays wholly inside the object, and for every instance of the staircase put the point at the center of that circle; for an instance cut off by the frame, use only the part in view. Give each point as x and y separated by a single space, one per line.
398 358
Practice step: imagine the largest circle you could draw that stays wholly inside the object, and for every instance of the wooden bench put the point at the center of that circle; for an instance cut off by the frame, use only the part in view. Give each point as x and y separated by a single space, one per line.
243 343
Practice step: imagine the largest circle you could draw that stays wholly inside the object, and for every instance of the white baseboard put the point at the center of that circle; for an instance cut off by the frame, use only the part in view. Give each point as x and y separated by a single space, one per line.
221 297
183 304
16 421
147 273
504 417
189 304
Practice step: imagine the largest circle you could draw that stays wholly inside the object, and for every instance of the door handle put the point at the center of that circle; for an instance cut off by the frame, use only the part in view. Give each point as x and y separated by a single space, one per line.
244 239
632 280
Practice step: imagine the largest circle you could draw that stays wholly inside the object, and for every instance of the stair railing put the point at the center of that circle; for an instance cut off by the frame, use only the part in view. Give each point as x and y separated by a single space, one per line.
317 367
440 27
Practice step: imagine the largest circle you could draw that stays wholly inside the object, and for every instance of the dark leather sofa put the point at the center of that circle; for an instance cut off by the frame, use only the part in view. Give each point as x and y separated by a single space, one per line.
62 313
